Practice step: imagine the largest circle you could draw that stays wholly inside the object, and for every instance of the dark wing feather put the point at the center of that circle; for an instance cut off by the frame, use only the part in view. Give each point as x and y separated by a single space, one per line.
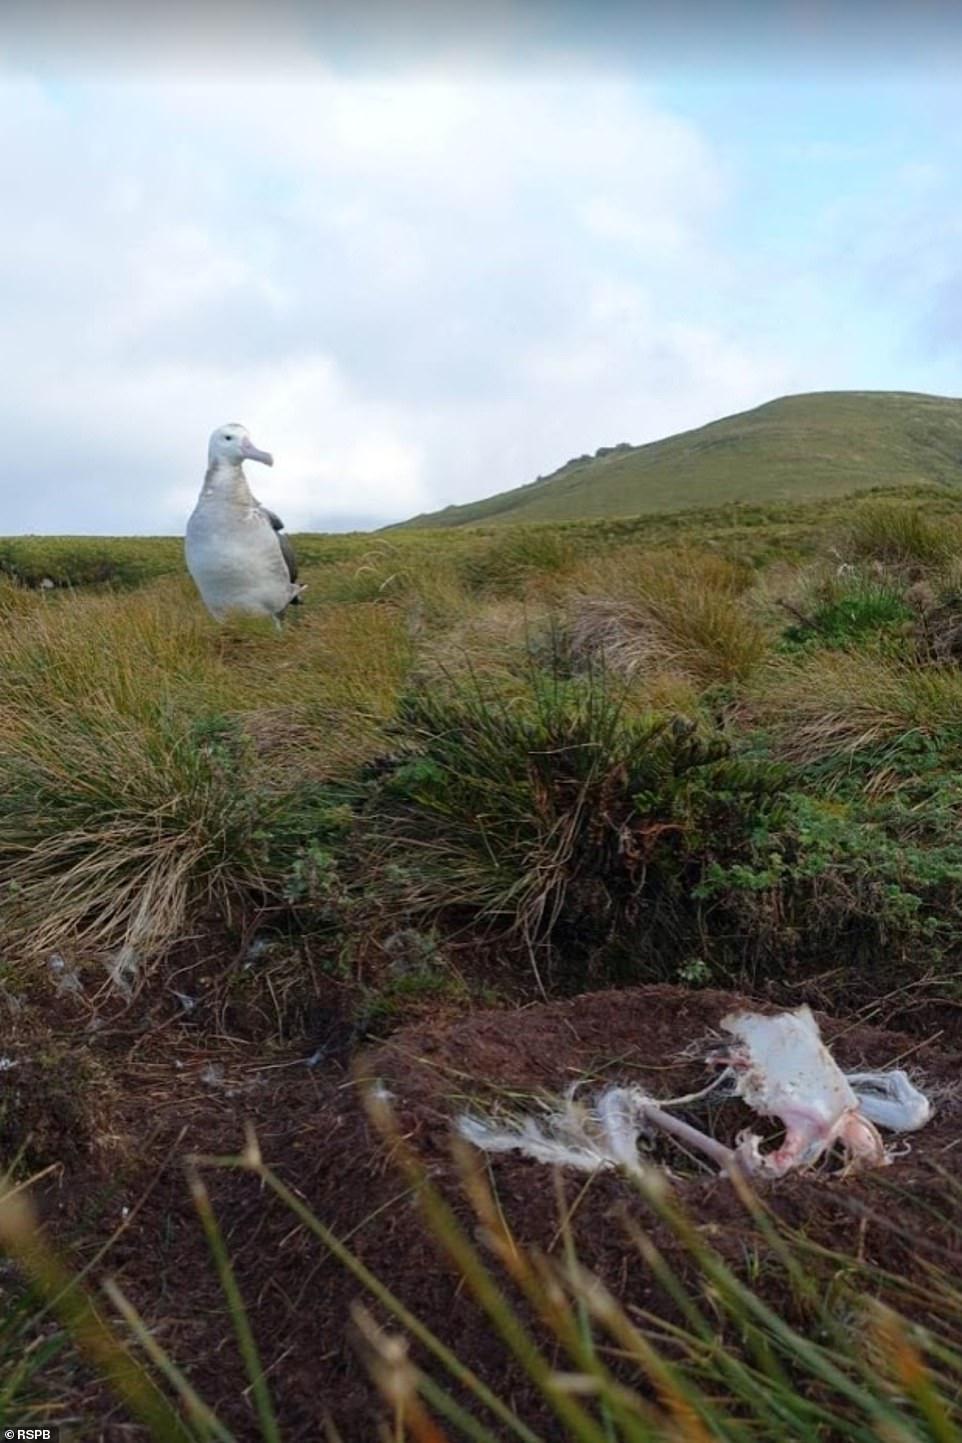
287 550
275 520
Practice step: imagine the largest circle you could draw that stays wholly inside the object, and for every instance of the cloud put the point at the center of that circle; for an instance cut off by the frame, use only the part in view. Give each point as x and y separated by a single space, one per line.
413 290
571 36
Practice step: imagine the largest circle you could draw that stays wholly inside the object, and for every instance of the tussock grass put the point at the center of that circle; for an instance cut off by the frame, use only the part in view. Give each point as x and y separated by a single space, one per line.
119 831
328 701
901 535
147 757
507 564
561 818
444 579
670 611
156 648
124 650
354 654
110 698
840 702
497 643
422 581
16 602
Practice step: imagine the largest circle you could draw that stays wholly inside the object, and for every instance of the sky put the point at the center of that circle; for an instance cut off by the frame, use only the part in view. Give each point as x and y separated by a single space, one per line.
426 253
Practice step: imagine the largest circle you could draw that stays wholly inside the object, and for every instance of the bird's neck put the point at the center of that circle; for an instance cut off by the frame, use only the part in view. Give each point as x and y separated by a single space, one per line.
225 481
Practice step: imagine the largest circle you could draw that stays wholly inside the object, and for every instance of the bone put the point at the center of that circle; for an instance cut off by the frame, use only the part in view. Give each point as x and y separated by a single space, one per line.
684 1132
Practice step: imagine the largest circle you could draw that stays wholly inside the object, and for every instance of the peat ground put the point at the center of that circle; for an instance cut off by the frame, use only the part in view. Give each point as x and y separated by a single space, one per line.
153 1094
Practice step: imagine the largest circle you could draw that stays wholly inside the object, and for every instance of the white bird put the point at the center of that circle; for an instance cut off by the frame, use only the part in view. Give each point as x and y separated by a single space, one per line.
236 550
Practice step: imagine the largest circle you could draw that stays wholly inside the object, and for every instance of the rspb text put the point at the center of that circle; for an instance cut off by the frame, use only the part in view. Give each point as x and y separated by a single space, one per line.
49 1433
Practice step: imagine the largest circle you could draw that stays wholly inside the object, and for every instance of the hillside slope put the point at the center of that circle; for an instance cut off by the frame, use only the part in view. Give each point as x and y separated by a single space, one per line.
823 444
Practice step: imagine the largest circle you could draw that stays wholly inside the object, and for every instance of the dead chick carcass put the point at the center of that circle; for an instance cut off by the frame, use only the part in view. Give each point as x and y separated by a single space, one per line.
777 1064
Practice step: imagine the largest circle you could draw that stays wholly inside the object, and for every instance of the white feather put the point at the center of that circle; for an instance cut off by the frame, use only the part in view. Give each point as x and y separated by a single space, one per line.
232 550
891 1100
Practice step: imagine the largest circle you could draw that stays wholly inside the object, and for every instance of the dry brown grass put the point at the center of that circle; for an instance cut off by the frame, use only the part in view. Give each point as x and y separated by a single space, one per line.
496 643
136 651
144 751
113 826
319 709
680 612
17 600
425 585
832 702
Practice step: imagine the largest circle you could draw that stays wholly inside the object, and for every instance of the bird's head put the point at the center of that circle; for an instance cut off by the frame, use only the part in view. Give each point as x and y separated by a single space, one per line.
231 445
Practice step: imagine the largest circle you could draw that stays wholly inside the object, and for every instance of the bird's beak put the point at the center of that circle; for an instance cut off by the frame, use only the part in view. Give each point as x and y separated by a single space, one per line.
250 453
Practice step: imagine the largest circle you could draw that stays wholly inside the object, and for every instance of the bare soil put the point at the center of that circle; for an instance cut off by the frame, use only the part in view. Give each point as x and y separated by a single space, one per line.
154 1096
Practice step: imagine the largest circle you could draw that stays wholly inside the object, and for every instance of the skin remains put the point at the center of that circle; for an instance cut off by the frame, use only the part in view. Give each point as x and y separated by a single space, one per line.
784 1070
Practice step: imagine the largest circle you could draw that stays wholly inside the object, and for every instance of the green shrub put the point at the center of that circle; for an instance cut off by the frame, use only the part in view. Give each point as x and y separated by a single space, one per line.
90 560
844 609
850 880
603 844
560 820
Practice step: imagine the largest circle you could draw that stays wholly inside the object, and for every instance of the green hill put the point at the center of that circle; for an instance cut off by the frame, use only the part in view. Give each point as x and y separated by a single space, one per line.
824 444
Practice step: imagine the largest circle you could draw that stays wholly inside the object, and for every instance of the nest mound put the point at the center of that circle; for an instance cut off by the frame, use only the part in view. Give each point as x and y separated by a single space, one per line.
316 1135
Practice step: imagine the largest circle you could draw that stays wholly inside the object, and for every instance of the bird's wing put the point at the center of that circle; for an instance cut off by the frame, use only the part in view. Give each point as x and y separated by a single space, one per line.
275 520
287 551
283 540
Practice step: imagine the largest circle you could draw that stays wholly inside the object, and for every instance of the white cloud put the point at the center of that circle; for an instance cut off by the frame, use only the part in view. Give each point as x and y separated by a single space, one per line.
412 291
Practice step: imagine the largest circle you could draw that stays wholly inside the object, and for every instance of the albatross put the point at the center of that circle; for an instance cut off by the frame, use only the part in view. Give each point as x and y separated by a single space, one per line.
237 552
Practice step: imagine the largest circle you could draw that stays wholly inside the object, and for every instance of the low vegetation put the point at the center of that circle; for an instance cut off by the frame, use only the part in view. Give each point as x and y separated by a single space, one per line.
507 764
674 612
611 753
564 819
888 533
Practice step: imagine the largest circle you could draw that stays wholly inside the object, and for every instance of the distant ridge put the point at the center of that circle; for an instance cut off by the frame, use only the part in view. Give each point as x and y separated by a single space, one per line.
824 443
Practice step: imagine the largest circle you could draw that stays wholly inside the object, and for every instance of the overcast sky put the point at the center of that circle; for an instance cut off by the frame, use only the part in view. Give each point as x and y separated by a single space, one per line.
427 258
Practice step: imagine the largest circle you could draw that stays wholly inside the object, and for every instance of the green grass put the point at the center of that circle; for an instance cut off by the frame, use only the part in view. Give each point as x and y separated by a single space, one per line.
840 609
901 535
89 560
480 558
797 447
